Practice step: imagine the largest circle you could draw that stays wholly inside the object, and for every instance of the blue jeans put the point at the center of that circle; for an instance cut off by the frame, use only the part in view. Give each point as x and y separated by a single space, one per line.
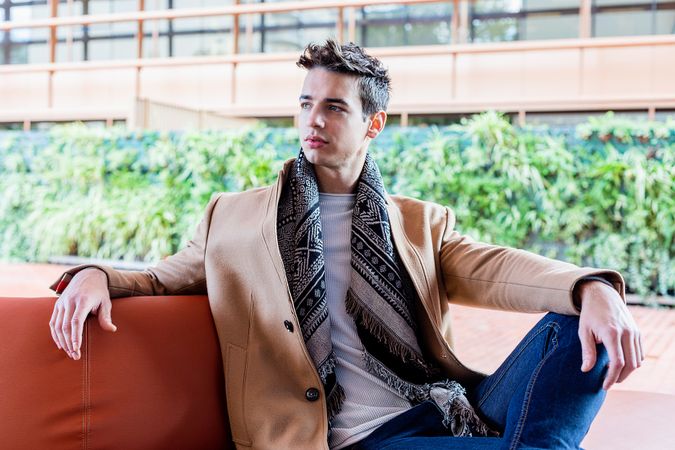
537 399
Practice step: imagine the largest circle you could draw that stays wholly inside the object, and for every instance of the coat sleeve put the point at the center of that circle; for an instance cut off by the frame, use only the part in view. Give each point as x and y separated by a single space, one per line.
489 276
181 273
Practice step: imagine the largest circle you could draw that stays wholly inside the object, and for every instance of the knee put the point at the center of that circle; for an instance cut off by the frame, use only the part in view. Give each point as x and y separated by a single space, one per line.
563 324
565 330
567 335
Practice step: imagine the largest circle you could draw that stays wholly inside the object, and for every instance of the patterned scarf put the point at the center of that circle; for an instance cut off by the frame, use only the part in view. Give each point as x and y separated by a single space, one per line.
381 298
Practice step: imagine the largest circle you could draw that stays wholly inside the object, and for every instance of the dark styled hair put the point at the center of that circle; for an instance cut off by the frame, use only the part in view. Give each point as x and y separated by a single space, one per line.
373 80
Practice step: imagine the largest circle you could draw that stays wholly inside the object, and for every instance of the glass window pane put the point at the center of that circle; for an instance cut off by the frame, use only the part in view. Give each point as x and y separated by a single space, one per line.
156 48
249 33
156 5
622 23
202 36
494 30
69 32
533 5
292 31
549 26
399 25
665 22
178 4
196 24
112 6
490 6
127 29
73 9
37 54
106 49
201 44
70 53
290 40
25 13
621 2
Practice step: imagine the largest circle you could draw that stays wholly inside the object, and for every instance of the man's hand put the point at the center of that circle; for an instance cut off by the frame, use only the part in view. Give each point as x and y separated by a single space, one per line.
605 319
86 293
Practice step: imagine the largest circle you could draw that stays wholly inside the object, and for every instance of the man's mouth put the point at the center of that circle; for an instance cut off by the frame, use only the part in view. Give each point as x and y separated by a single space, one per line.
315 141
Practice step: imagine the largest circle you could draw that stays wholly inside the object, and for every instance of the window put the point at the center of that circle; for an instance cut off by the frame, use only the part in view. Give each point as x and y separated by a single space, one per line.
511 20
400 25
633 17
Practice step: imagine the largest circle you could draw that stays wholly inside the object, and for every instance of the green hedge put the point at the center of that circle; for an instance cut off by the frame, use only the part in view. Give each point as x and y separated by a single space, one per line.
601 196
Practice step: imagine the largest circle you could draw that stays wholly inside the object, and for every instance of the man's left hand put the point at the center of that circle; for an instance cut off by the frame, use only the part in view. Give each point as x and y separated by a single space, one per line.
605 319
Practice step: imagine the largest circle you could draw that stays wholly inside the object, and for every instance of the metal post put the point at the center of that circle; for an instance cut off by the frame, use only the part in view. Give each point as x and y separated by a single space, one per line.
54 11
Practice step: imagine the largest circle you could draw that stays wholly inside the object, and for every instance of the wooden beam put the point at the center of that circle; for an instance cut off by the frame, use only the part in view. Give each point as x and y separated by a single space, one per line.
341 26
464 22
235 32
53 12
139 32
454 23
585 19
351 25
139 51
69 33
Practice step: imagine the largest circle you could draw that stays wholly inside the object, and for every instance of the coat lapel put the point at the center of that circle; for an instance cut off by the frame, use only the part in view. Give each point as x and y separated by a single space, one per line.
269 228
411 259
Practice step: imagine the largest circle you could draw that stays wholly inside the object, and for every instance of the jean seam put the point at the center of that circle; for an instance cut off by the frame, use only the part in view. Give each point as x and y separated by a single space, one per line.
484 398
530 387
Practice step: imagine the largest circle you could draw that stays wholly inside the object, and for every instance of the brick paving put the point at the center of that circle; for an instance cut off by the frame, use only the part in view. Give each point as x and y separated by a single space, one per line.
483 338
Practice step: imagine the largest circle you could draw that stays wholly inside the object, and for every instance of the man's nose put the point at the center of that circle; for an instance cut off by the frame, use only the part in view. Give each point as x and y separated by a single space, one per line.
316 119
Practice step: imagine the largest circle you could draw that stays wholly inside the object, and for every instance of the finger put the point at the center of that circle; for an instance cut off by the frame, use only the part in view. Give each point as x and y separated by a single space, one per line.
105 316
616 360
641 348
65 327
52 322
77 328
588 352
629 355
58 331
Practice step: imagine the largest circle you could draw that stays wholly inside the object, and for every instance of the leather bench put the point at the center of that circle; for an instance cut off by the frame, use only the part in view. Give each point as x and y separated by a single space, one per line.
158 383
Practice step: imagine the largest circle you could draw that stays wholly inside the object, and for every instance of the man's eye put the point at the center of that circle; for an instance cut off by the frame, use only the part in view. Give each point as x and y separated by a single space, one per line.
334 108
304 105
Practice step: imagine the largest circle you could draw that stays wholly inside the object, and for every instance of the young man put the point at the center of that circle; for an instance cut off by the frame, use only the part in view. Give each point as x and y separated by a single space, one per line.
331 301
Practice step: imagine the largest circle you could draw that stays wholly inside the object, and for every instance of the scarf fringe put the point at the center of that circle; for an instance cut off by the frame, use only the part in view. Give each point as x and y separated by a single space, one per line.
449 396
412 392
378 331
334 401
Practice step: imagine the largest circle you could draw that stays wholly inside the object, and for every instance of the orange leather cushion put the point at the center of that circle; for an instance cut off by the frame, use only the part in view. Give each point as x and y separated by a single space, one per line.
155 383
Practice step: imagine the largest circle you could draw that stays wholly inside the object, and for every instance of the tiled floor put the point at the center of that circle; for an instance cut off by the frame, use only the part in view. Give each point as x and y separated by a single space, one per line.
483 338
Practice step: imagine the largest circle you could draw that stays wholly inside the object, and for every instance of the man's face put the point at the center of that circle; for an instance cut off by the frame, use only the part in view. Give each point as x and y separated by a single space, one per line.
332 131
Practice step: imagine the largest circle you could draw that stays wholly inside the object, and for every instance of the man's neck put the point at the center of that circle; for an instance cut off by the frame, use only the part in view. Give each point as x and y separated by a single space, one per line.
333 181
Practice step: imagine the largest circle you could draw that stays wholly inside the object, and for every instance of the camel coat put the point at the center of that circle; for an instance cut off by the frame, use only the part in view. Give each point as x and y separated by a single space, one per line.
269 375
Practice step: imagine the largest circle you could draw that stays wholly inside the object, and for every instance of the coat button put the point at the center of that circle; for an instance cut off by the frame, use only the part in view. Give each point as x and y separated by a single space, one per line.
312 394
288 325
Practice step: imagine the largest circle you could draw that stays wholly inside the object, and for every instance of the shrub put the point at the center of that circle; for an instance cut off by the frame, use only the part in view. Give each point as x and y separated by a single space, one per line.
602 196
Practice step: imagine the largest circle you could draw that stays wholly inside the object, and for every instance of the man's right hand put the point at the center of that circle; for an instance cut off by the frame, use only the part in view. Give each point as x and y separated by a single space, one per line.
86 293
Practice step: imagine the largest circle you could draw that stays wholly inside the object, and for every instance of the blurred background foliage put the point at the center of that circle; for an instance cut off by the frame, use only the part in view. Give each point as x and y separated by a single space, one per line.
601 196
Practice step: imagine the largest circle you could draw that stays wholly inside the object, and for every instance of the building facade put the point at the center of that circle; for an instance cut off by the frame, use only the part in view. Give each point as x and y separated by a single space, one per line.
213 63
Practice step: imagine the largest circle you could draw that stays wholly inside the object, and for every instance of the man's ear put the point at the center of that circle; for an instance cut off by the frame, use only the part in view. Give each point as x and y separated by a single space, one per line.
376 124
